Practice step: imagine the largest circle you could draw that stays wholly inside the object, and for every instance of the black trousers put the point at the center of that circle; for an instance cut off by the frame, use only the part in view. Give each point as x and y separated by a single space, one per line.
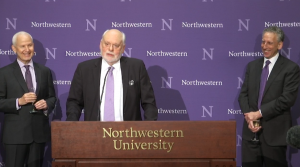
16 155
260 154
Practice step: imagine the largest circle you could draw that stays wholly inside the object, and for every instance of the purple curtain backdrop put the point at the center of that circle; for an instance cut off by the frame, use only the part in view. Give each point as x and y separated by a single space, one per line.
195 51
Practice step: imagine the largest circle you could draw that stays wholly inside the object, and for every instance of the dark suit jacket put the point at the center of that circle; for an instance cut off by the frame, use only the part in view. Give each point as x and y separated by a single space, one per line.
21 127
279 96
84 91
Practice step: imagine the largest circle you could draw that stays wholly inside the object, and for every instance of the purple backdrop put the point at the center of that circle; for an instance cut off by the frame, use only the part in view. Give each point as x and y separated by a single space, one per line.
195 51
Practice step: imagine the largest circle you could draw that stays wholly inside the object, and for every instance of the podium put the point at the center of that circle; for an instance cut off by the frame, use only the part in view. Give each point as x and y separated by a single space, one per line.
144 143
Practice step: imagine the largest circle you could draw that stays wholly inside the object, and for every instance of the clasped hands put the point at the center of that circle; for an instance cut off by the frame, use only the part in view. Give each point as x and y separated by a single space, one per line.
31 98
250 117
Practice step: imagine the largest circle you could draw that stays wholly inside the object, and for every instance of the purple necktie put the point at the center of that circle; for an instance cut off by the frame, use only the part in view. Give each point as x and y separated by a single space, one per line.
109 111
28 79
263 81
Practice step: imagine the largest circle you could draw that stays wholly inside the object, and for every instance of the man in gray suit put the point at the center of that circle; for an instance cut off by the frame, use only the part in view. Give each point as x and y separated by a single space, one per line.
130 90
24 86
269 91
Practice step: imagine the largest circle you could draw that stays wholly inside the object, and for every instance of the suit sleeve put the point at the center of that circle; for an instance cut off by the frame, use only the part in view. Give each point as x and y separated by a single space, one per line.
51 99
7 105
147 96
287 98
75 101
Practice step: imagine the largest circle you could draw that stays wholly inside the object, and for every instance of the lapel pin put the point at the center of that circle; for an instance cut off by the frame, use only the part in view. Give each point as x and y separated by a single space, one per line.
131 82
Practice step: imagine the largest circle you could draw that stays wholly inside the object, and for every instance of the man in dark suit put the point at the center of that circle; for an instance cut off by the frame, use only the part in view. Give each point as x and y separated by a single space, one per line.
269 101
25 132
131 87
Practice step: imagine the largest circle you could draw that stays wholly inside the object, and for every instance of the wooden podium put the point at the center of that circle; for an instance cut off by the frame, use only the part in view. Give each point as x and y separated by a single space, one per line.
144 144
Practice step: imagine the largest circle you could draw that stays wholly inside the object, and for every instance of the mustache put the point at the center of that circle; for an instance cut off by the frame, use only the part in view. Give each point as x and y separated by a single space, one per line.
110 53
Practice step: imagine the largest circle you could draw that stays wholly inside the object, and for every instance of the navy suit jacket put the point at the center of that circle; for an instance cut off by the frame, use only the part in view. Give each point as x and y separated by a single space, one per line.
279 96
21 127
85 88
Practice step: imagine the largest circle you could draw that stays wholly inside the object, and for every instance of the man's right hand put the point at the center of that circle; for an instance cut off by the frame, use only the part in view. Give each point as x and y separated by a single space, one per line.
27 98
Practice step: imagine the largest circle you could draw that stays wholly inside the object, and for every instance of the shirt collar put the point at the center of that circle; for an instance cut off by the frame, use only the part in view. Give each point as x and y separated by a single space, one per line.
273 59
21 64
105 65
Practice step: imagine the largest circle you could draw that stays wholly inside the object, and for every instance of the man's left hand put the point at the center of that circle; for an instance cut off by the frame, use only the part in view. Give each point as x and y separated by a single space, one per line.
41 105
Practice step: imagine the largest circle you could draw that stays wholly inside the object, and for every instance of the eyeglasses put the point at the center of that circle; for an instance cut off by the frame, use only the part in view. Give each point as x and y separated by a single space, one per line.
109 45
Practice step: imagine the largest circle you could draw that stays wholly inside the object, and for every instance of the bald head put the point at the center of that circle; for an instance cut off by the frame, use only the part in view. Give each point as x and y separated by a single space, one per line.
116 33
20 33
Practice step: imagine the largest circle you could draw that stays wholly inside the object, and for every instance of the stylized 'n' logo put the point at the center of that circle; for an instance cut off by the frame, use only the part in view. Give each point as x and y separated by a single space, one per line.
164 82
12 24
165 23
129 52
240 83
210 55
245 25
239 140
205 110
52 54
287 54
92 25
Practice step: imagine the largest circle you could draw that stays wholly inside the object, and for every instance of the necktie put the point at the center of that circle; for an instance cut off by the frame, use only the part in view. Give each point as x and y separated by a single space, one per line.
109 111
28 79
263 81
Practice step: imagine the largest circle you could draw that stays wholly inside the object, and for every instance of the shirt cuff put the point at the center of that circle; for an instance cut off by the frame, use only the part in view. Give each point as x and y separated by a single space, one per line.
17 104
260 112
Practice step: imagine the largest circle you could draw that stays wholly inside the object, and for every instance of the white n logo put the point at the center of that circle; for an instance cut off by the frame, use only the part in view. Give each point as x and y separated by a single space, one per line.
163 80
48 52
210 55
239 140
8 22
240 83
165 23
88 23
208 112
288 55
129 52
241 23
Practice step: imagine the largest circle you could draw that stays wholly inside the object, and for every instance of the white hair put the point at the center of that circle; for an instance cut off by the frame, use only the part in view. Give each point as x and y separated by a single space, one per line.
123 36
14 39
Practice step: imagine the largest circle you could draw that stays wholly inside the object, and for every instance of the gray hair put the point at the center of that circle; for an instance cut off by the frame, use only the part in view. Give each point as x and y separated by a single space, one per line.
123 35
14 39
277 31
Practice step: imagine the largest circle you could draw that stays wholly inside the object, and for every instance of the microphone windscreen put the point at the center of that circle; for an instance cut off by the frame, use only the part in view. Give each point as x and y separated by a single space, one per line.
293 137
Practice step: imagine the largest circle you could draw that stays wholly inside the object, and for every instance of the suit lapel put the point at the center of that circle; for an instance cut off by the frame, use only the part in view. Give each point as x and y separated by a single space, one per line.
258 70
125 75
96 74
274 73
19 76
38 77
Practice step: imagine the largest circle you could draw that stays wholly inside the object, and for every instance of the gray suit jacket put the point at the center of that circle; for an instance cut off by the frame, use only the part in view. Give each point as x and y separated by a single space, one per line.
21 127
279 96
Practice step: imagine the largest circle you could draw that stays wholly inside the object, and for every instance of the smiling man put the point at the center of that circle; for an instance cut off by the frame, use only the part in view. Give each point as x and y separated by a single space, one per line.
26 96
112 87
269 91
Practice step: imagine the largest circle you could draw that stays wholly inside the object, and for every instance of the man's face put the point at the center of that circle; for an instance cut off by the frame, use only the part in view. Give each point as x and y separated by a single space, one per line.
270 45
112 47
24 48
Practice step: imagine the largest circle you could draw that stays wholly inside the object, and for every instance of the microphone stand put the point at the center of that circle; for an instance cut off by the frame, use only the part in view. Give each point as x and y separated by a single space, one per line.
99 111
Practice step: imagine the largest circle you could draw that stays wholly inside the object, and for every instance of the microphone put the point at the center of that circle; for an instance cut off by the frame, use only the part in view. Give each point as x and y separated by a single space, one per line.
293 137
102 93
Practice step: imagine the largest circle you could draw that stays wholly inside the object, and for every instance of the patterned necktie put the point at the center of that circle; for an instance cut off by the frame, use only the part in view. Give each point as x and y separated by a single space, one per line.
28 79
263 81
109 111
